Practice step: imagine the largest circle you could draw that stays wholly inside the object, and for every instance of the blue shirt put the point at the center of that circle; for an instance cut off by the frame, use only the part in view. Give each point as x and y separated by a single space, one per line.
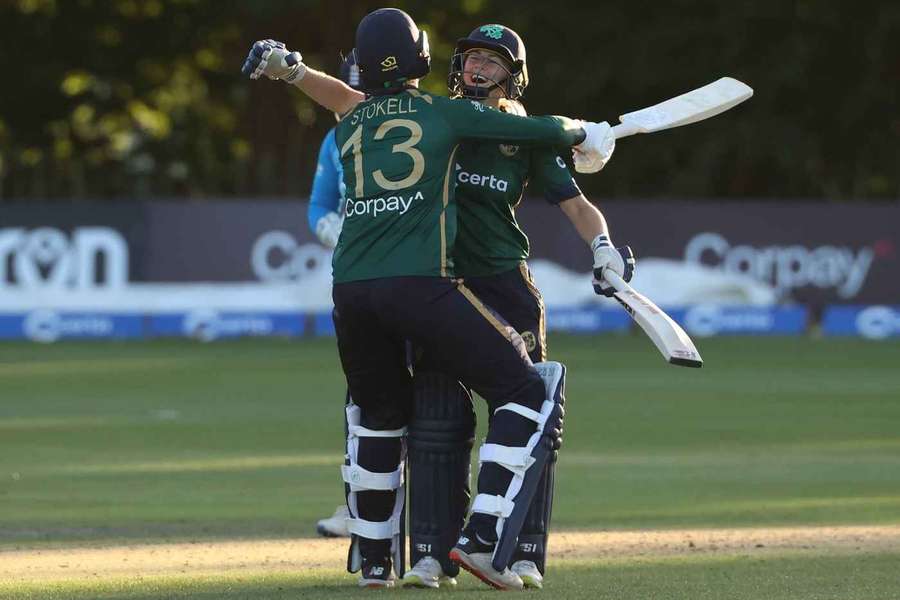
328 183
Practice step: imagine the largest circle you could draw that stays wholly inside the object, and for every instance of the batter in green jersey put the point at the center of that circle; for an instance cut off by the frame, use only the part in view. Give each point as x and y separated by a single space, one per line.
491 181
400 214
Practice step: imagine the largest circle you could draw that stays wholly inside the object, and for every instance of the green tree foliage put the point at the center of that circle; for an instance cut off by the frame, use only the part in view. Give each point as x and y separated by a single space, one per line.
128 99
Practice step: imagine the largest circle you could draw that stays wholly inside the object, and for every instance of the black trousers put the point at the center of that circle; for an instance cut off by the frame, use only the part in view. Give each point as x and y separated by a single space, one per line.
453 327
513 295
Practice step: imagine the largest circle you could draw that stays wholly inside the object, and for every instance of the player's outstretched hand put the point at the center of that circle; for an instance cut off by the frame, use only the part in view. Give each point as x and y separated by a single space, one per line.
594 152
275 61
618 260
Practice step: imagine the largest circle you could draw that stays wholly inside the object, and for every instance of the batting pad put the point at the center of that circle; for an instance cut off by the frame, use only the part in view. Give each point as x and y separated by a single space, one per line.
525 463
359 479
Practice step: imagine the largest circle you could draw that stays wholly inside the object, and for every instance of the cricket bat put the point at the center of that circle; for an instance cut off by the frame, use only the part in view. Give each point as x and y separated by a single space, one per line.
671 340
696 105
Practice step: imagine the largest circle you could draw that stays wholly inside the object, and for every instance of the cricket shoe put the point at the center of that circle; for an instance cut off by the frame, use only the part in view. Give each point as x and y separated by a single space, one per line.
376 574
474 555
528 571
427 573
336 524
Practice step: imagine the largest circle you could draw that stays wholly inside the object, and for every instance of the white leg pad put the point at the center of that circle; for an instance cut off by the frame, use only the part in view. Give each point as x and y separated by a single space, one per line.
518 460
359 479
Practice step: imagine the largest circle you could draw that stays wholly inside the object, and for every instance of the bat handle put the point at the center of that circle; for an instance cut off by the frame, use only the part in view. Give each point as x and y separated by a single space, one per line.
613 279
626 128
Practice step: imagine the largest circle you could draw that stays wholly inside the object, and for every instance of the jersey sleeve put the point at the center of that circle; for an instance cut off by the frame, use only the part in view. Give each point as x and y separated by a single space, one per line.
551 176
326 189
471 119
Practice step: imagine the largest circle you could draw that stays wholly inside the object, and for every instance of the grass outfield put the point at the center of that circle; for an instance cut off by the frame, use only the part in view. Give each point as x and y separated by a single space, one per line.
133 443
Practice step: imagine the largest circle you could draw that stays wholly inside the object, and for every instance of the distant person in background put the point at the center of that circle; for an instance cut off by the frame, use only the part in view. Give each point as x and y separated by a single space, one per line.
326 202
325 217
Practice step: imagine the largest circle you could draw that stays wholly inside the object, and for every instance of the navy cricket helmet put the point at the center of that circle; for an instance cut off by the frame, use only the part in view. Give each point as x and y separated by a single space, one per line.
390 50
504 42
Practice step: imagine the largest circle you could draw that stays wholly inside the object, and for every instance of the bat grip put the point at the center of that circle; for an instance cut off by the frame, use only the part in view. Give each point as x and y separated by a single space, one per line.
626 128
615 280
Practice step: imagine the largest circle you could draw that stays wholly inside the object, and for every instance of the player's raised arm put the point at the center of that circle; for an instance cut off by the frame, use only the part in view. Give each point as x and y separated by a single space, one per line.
275 61
591 226
592 143
552 177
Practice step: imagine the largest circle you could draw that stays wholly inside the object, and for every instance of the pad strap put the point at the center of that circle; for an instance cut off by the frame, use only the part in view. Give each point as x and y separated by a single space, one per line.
360 431
526 412
361 479
493 505
374 530
517 460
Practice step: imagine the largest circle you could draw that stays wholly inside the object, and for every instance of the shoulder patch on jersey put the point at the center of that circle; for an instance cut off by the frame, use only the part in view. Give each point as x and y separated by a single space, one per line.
509 150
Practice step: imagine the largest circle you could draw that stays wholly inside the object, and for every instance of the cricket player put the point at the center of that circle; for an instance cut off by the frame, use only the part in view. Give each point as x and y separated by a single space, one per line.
490 65
392 273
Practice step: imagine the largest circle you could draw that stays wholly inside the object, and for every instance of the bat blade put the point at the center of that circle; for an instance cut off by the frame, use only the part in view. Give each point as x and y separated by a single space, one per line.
696 105
669 338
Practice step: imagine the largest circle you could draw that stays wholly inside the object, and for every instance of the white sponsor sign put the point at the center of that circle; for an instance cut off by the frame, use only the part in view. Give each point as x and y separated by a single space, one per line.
48 326
709 320
878 322
277 257
208 325
50 259
787 267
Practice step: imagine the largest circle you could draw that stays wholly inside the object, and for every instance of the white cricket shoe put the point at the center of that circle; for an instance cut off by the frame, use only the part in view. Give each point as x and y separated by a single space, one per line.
475 557
427 573
528 571
336 524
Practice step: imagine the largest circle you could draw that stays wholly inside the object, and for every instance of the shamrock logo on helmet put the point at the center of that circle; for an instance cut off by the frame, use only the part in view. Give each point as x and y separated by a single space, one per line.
492 31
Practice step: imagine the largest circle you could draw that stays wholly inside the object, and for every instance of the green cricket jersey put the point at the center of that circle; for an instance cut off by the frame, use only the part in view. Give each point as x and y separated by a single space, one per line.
398 156
491 179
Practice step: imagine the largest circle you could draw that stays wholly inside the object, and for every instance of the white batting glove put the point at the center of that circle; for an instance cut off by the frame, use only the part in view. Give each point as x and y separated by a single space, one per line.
275 61
618 260
594 152
328 229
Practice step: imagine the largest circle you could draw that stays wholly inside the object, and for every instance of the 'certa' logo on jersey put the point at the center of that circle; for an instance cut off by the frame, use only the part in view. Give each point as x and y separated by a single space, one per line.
376 206
490 181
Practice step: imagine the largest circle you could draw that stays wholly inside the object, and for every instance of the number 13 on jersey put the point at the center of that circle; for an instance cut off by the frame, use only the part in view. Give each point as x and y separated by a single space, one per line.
354 144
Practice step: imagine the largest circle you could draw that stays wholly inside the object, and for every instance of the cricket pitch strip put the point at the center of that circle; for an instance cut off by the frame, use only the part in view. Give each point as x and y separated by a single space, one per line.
261 556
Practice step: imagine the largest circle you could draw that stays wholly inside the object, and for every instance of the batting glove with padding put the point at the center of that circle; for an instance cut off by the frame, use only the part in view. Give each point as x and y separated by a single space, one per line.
618 260
275 61
598 146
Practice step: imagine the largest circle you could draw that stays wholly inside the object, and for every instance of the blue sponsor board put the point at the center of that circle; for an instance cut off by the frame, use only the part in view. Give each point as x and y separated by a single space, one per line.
706 320
323 325
51 325
209 325
587 319
570 320
877 322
